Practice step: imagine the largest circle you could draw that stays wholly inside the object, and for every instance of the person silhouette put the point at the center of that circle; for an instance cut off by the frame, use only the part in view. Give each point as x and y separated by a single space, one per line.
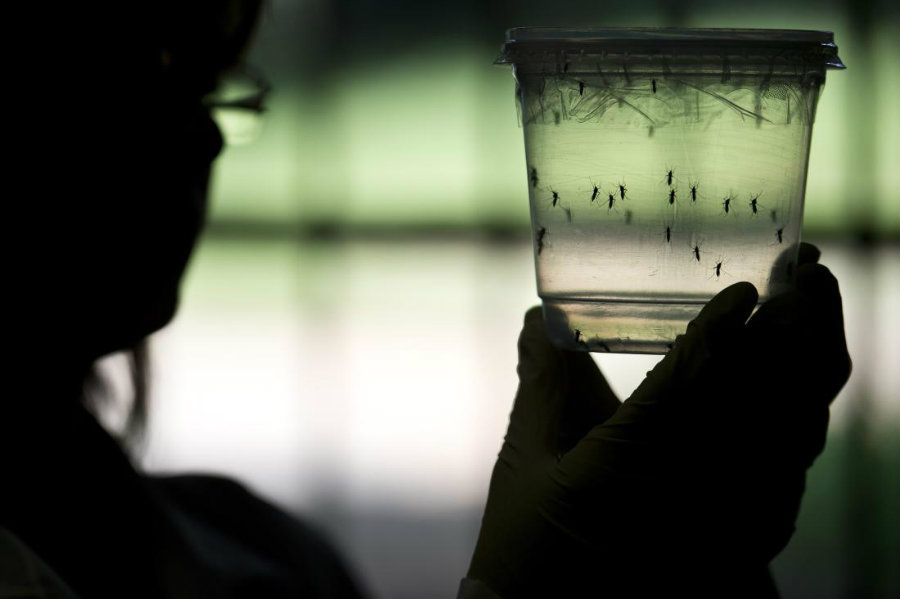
692 483
78 519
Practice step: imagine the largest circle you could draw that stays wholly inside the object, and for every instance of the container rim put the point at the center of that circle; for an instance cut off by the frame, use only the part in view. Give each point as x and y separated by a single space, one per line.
525 44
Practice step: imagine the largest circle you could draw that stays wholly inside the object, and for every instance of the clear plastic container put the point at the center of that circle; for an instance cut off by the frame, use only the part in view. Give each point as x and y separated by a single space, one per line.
663 165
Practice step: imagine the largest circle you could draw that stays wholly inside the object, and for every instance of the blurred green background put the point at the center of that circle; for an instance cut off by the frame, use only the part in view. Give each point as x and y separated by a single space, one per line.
346 343
388 114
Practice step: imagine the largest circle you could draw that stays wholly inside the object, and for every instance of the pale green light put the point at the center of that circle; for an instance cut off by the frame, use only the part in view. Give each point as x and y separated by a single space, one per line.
238 127
407 132
887 184
432 138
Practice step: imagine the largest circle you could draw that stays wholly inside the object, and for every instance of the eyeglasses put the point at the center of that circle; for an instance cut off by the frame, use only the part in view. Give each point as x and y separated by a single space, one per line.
238 103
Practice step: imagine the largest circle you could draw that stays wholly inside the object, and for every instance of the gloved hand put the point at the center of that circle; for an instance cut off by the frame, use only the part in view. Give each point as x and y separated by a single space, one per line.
693 483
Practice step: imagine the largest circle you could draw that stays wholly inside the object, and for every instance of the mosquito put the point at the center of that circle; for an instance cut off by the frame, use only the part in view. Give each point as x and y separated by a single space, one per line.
653 85
555 197
669 229
533 177
754 203
726 203
670 176
581 88
542 232
671 196
780 235
717 269
596 191
611 202
622 190
696 251
694 187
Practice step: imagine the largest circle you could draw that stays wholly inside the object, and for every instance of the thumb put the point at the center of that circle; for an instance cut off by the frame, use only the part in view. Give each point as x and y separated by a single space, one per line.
713 333
561 394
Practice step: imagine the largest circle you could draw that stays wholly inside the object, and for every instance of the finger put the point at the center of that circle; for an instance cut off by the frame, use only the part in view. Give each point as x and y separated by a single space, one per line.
631 440
817 284
730 308
801 335
824 327
808 254
561 394
716 327
802 330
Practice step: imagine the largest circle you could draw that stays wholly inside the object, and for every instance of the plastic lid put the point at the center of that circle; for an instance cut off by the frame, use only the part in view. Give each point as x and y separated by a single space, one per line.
533 44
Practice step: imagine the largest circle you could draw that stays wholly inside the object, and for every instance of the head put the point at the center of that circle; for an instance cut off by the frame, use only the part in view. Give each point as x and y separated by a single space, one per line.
144 150
143 144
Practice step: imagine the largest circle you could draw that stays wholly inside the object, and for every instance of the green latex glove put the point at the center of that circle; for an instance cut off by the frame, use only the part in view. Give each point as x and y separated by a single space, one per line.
694 482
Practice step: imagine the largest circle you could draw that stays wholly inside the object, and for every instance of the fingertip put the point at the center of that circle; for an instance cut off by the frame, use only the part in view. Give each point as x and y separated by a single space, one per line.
534 313
746 295
535 350
734 303
808 254
533 326
737 298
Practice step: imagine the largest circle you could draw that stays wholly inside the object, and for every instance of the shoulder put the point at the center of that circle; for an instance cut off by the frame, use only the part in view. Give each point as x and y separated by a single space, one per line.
24 574
216 507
